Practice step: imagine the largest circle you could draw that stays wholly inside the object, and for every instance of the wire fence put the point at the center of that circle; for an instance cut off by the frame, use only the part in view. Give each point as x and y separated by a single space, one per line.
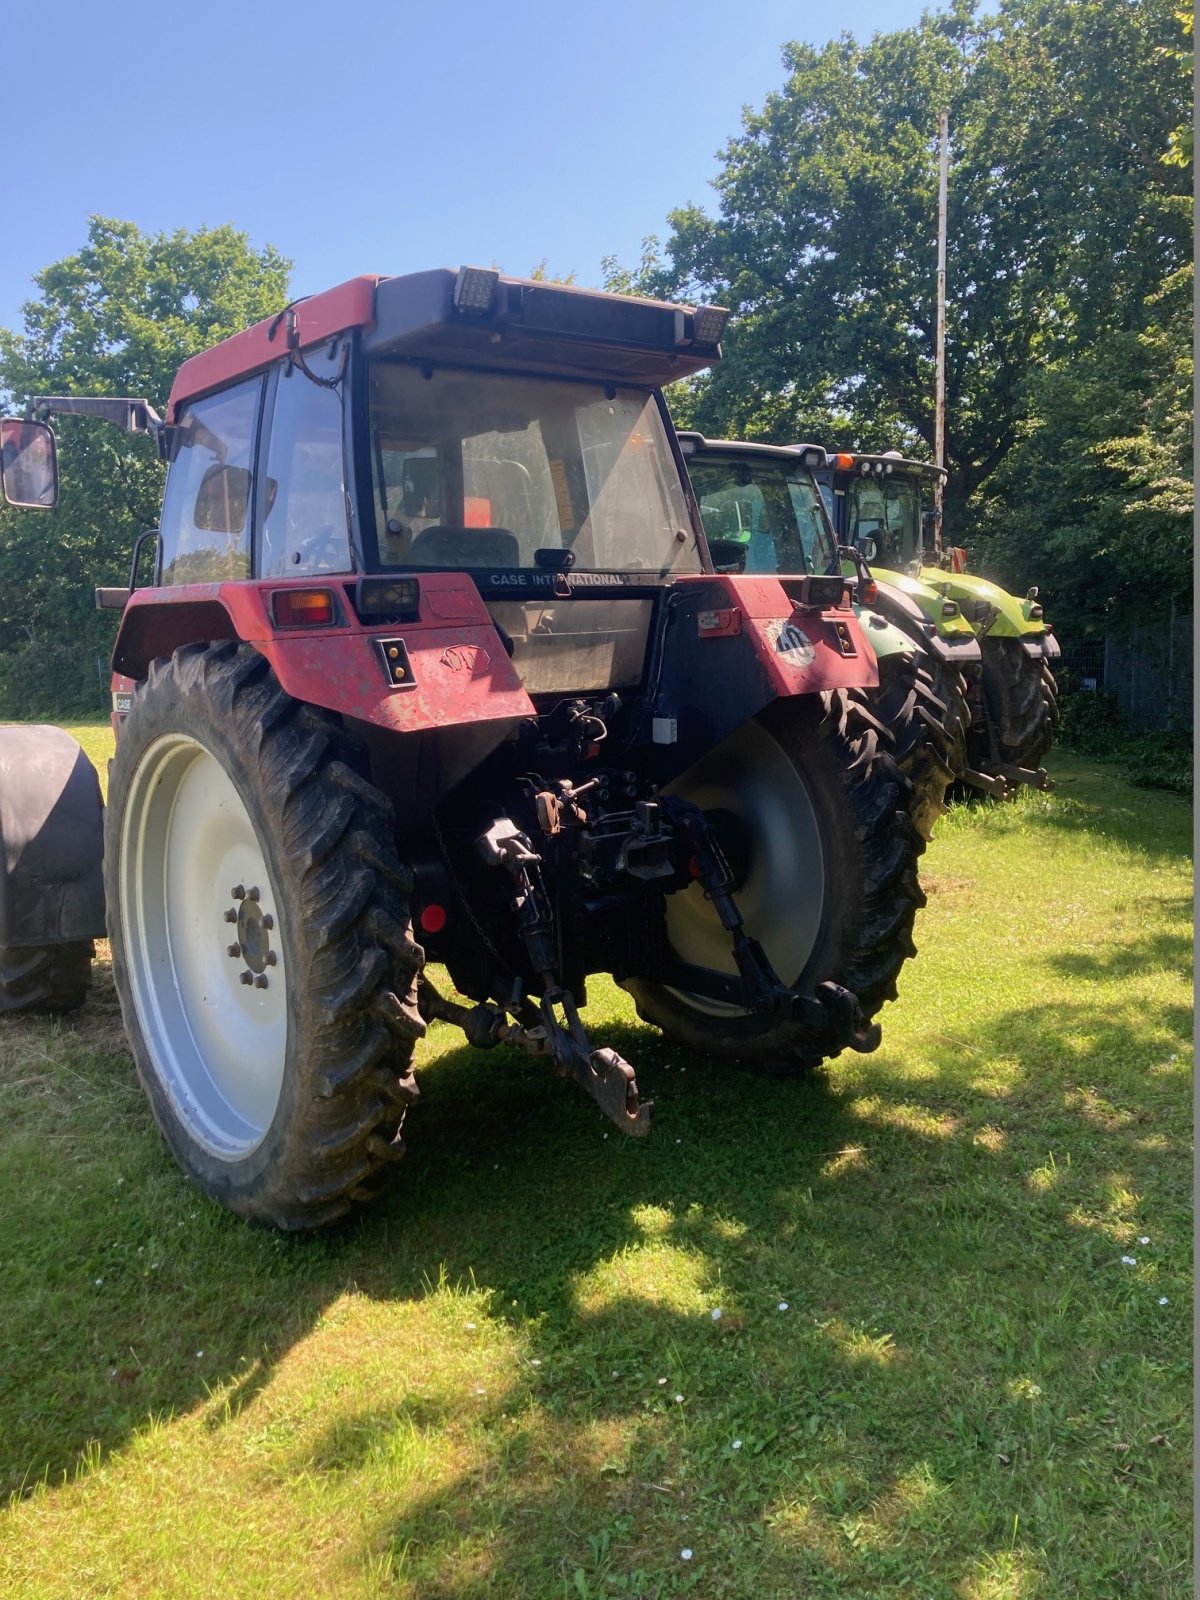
1150 672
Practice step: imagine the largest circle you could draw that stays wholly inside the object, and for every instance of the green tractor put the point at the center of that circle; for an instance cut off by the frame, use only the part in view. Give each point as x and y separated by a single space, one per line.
875 504
764 513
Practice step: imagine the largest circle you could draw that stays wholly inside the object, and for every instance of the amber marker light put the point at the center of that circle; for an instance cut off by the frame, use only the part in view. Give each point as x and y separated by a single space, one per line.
302 608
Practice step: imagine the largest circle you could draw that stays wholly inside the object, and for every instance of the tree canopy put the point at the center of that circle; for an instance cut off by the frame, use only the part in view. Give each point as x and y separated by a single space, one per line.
1069 217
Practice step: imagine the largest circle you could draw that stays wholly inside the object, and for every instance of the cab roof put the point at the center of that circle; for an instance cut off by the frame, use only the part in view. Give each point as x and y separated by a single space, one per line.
475 317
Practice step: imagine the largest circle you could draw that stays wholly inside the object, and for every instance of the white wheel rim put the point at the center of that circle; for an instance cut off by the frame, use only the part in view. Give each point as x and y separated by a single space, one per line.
217 1043
782 897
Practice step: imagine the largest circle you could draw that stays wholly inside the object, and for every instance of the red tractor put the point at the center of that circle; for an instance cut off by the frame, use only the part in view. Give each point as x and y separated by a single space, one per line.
427 663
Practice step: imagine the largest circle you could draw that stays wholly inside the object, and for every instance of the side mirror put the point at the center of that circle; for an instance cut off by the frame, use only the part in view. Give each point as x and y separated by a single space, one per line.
222 499
868 548
28 464
421 487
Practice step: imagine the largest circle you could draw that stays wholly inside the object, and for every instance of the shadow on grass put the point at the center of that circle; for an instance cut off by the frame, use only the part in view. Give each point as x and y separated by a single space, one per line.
901 1220
946 1244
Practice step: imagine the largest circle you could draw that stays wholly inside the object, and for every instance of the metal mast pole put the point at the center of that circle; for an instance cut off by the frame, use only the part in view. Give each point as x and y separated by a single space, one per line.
939 423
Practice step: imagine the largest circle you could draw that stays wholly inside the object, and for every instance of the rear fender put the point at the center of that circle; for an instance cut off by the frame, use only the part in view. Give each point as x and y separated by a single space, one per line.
1043 648
732 646
955 643
1011 619
916 598
456 671
52 835
887 640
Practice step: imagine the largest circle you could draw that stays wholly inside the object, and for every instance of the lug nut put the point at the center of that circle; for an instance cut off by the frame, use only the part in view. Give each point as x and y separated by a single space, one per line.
268 921
238 892
272 959
233 950
260 982
251 894
231 915
247 977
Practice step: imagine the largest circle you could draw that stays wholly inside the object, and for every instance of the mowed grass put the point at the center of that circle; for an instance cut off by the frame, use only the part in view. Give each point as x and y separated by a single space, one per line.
934 1371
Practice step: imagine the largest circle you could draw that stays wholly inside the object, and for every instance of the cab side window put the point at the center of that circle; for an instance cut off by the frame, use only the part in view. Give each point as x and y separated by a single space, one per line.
303 493
205 521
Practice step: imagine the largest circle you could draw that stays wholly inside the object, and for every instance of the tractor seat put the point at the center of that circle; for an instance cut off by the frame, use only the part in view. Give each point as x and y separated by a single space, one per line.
444 546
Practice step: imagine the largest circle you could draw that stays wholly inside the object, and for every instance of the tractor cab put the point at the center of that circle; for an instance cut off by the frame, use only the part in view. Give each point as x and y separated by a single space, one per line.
875 504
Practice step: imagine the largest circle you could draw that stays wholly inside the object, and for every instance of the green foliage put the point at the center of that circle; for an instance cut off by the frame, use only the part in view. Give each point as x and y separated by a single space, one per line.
116 318
1065 224
1095 725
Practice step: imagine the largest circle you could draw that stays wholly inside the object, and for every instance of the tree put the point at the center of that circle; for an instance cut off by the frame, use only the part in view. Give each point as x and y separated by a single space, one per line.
1061 225
118 317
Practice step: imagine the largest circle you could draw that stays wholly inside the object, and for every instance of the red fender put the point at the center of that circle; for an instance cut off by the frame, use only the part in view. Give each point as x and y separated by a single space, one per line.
802 650
458 670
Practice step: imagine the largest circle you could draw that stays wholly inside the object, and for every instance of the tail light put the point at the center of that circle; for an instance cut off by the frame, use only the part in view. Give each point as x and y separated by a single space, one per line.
302 608
868 592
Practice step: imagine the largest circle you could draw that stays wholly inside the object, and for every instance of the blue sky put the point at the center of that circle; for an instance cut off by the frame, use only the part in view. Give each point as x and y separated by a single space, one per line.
385 138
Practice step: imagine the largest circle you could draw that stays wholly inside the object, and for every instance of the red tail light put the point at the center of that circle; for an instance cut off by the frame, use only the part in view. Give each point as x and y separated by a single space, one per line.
302 608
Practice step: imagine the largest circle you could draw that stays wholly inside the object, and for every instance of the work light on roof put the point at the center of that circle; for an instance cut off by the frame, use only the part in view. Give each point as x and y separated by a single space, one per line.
475 289
708 324
813 458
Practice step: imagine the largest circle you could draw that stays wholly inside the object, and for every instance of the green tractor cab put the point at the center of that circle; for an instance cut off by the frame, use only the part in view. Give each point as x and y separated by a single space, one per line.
763 513
874 502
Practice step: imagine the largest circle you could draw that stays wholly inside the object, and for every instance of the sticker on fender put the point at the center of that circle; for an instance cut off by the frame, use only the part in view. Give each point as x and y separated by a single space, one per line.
791 642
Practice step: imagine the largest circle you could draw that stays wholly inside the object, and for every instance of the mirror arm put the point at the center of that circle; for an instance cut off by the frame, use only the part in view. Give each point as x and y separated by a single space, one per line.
132 416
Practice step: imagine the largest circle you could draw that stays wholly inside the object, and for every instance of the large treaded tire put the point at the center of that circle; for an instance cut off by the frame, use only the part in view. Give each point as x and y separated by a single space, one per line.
1021 700
51 978
343 930
923 713
870 847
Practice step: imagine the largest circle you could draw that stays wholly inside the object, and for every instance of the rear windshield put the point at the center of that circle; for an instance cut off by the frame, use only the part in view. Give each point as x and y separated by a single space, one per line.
762 514
487 470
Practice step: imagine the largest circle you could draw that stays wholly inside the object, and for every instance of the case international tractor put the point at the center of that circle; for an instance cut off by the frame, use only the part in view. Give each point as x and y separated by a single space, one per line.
427 662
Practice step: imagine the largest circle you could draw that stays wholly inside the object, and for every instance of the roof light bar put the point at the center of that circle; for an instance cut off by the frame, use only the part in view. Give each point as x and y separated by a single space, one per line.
475 289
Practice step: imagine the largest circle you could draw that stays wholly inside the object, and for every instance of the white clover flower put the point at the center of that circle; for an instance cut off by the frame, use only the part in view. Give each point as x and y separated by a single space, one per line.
715 1314
737 1444
685 1554
678 1399
1162 1300
782 1306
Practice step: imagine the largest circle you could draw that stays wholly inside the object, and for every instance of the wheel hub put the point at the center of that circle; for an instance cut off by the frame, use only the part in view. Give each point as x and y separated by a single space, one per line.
253 933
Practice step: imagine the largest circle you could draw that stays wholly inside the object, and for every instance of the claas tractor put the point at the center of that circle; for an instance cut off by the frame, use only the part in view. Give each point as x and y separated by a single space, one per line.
427 665
763 512
875 503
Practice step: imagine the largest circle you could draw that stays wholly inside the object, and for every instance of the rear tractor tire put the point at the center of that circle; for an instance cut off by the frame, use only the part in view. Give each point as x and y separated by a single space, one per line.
52 978
261 939
921 700
1021 701
829 885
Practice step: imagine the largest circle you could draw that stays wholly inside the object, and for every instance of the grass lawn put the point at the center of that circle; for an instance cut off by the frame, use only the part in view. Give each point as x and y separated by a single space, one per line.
952 1355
